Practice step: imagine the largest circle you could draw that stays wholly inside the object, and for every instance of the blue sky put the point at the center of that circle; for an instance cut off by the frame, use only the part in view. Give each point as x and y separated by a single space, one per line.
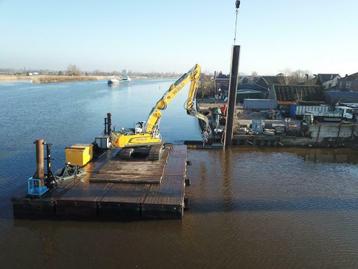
158 35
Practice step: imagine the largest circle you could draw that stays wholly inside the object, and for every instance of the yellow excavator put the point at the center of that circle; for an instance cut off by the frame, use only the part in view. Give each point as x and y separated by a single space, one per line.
145 137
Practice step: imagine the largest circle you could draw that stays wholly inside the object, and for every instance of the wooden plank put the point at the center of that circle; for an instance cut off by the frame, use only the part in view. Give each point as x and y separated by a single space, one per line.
165 200
119 171
85 192
123 201
33 208
171 191
98 163
62 188
81 201
139 180
126 193
44 207
176 163
179 151
120 167
175 166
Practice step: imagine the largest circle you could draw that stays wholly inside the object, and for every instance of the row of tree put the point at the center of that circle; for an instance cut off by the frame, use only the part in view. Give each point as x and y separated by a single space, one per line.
292 77
207 84
73 70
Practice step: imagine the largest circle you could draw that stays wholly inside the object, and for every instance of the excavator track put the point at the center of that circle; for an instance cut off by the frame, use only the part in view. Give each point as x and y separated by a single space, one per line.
155 152
126 153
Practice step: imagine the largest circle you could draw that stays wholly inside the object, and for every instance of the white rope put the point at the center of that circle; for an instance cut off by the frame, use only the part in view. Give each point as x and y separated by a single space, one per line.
237 5
237 12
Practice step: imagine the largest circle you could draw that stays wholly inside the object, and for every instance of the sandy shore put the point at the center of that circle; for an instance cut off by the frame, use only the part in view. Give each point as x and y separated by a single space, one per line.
50 79
13 78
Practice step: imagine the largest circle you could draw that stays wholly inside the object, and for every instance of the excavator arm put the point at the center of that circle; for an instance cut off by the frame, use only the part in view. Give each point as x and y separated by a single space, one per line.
193 76
190 104
148 135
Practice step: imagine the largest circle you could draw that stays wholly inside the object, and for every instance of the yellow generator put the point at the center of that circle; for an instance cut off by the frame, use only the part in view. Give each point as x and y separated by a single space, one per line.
79 154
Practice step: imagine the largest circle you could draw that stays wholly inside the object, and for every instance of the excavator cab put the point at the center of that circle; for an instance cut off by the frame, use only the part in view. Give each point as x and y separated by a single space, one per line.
139 127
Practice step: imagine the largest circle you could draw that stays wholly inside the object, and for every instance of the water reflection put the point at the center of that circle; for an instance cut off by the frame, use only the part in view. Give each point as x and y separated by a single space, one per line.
324 155
331 156
304 204
247 179
226 164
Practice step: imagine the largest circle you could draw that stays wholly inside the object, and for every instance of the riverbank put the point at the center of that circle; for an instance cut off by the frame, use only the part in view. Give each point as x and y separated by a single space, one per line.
43 79
253 129
49 78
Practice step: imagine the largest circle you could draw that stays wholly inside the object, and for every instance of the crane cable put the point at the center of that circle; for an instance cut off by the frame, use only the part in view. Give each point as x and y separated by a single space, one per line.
237 5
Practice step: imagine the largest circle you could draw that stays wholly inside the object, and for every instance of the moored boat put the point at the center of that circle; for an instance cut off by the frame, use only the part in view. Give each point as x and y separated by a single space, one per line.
112 82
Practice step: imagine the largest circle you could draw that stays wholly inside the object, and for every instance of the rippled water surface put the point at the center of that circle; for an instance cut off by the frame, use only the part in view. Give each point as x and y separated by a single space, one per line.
249 208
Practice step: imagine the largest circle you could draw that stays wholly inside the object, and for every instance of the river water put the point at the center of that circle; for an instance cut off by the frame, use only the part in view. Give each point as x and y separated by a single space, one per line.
249 208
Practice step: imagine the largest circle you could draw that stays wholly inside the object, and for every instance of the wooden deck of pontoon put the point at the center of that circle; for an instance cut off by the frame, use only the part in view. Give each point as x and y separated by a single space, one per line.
116 189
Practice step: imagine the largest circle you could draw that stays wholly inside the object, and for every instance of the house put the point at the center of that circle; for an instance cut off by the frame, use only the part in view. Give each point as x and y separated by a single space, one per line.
260 86
221 81
341 96
327 81
249 83
348 83
268 81
262 83
297 93
260 104
32 73
243 94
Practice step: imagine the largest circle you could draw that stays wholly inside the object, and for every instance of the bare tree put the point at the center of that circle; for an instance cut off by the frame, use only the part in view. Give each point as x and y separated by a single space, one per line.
298 76
254 74
206 86
73 70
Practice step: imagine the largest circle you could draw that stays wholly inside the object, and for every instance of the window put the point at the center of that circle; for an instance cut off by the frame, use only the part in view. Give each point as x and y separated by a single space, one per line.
348 84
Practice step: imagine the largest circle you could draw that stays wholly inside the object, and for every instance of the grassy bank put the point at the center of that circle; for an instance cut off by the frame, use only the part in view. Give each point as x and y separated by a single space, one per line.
56 79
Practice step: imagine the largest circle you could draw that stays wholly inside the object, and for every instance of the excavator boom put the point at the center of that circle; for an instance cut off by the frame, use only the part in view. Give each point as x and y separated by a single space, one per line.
193 76
147 135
